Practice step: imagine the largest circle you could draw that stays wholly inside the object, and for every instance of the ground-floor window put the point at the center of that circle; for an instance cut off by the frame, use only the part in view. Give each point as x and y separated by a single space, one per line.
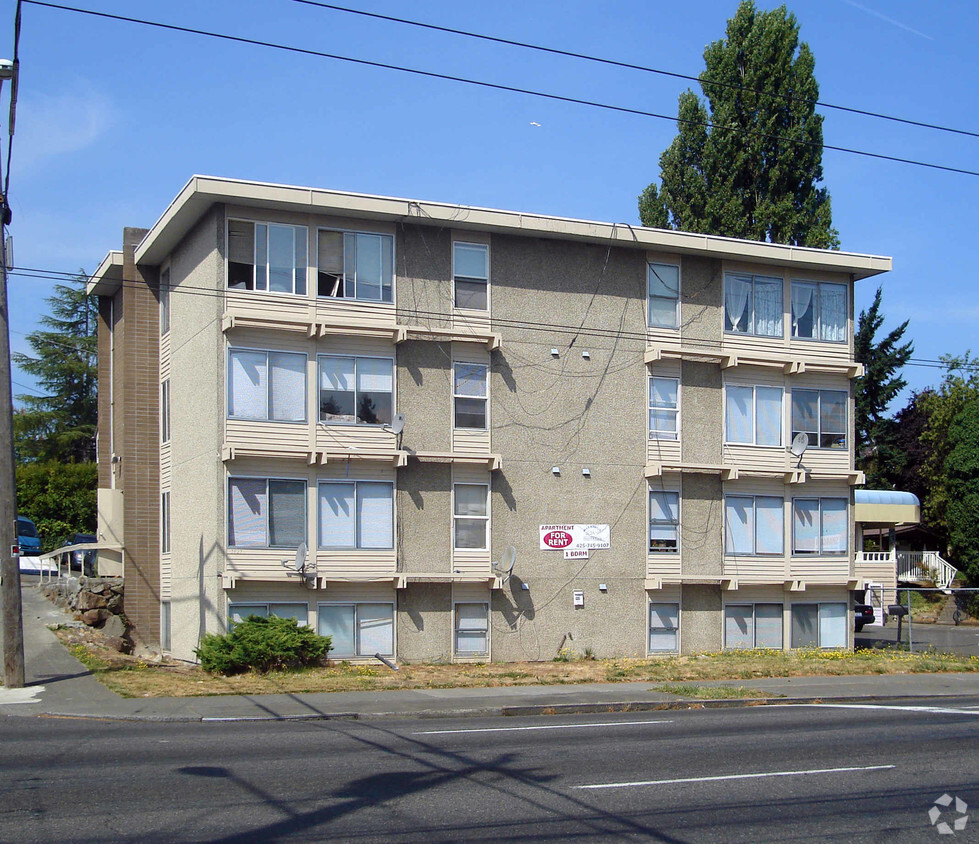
664 621
819 625
472 630
165 625
753 626
239 612
358 629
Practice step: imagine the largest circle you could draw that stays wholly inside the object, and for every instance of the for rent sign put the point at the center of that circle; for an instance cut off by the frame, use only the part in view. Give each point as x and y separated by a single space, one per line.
574 537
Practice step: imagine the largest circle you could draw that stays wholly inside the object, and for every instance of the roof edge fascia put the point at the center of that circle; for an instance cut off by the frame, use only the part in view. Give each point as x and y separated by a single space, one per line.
107 278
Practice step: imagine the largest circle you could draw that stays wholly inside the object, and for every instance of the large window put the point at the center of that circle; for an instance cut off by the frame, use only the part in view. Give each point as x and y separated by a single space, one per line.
356 391
664 622
821 414
819 526
753 525
165 411
357 629
472 630
165 301
356 514
819 625
165 523
753 305
819 311
240 611
663 408
266 513
664 522
753 626
663 287
267 256
753 415
470 392
355 265
266 386
470 270
470 515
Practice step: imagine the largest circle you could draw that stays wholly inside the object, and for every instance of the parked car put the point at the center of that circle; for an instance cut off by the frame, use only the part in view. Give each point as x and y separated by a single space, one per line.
862 614
27 538
82 560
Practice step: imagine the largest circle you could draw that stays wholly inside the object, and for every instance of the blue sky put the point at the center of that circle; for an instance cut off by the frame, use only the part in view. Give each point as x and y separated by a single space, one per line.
113 118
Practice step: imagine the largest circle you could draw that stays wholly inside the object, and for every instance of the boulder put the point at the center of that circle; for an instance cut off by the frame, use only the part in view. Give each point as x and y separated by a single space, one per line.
114 627
93 618
117 643
88 601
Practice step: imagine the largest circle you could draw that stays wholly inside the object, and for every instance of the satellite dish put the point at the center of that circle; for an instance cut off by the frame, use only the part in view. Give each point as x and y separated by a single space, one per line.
298 564
398 423
505 565
800 442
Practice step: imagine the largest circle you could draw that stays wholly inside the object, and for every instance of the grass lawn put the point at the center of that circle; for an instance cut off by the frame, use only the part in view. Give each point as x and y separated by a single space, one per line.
131 676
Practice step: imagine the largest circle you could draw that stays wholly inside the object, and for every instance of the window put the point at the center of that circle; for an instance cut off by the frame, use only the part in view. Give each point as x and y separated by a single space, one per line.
355 265
239 612
470 516
753 626
165 301
356 514
819 311
819 525
165 523
267 256
470 395
356 391
266 386
821 414
663 408
753 415
470 269
165 626
753 305
266 513
664 522
358 629
165 411
472 630
663 624
819 625
753 525
663 288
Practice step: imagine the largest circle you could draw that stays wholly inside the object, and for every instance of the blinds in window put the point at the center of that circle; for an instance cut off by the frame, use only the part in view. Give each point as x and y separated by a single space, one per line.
738 626
768 626
287 513
739 414
288 394
769 418
806 526
834 525
375 629
338 623
375 514
246 512
248 390
470 500
470 380
375 375
337 374
338 524
769 521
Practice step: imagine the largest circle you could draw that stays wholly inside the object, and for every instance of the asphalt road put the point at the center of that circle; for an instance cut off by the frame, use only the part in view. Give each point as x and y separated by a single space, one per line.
865 773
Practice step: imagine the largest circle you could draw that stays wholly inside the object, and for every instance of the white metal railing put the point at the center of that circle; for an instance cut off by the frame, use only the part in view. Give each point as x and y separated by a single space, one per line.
875 557
925 565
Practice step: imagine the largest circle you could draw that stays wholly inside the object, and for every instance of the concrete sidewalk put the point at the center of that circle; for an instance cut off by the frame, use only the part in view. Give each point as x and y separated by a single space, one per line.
59 685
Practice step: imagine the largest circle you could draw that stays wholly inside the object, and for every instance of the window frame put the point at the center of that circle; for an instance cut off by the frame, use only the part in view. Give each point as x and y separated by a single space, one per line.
754 624
847 616
165 522
166 626
821 552
650 629
164 411
659 297
658 552
268 530
268 609
819 419
356 654
754 279
266 286
657 434
817 322
389 238
457 517
456 278
754 415
731 551
229 387
484 398
358 541
164 290
456 630
356 422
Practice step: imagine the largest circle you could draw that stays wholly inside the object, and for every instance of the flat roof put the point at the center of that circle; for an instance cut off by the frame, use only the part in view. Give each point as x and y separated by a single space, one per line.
201 192
107 278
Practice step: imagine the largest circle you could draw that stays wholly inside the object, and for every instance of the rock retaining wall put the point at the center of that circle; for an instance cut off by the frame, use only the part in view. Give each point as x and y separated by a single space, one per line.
97 602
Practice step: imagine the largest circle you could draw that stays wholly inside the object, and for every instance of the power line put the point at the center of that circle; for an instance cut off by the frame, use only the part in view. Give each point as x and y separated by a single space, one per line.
499 87
630 66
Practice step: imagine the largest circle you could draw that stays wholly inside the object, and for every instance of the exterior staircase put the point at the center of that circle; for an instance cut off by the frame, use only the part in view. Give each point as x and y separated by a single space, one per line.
920 566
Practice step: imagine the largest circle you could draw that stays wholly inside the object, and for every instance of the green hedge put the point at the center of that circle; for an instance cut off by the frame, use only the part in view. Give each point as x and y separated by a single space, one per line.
262 644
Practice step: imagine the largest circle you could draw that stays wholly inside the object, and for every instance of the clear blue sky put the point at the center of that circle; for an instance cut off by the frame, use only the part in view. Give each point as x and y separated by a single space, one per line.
113 118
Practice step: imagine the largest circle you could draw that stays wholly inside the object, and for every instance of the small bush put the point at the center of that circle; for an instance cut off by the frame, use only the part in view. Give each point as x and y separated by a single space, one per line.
262 644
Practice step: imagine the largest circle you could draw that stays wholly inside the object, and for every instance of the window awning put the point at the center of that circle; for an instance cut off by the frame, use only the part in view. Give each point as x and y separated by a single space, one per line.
886 506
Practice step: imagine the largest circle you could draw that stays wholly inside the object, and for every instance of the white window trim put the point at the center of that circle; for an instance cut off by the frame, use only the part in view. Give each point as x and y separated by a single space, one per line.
754 415
676 299
753 276
355 604
267 478
456 630
659 435
165 411
355 358
679 503
486 249
754 621
266 290
485 518
819 417
679 610
821 552
817 326
268 387
394 267
165 522
321 482
754 539
485 399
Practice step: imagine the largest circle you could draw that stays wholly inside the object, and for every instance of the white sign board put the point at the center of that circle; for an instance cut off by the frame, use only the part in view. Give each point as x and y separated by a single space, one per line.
575 537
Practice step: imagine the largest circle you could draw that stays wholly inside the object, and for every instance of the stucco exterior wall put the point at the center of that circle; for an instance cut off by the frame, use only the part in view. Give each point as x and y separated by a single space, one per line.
700 618
424 620
702 525
701 299
424 506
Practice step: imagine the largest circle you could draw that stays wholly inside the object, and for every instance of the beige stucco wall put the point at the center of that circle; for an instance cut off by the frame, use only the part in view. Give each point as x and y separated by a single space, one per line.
700 618
701 299
702 525
425 517
424 619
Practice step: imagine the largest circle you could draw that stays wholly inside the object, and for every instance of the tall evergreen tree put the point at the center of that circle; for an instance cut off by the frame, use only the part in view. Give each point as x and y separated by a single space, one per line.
748 162
876 432
60 425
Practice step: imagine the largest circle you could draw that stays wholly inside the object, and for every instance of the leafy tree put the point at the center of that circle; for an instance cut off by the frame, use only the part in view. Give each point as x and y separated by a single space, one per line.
59 497
962 486
748 162
876 433
60 425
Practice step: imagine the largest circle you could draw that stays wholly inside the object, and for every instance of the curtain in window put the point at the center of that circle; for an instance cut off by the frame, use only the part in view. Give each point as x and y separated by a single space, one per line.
248 387
737 292
287 513
805 526
740 525
768 626
330 254
739 414
374 375
768 307
769 402
832 317
832 625
470 380
338 524
738 626
834 527
375 515
375 629
769 531
338 623
470 500
803 311
246 512
288 397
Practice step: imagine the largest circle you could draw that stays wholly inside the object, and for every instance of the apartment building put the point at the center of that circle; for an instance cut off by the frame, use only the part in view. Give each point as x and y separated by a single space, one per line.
408 390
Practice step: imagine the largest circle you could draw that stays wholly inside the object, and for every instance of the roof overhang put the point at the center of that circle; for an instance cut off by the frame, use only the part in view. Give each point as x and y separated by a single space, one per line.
201 192
107 279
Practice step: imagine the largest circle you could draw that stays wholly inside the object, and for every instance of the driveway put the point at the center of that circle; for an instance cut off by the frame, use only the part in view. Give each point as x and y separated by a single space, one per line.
944 637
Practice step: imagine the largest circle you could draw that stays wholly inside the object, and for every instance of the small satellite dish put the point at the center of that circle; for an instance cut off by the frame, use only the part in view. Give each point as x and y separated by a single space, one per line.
800 442
299 563
508 559
398 423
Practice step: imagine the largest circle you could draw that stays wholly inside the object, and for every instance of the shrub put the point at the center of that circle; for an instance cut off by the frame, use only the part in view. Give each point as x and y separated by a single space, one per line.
262 644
